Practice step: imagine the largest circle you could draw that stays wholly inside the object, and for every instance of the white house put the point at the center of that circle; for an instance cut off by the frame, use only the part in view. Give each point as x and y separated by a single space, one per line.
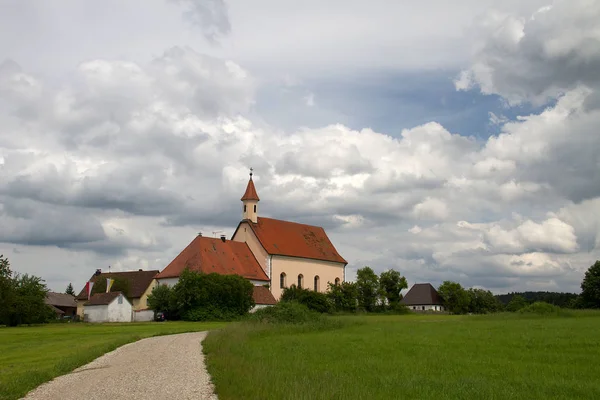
423 297
108 307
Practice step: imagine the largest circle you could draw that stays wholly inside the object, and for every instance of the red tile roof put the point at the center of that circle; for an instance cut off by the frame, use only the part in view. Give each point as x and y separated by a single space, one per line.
138 281
205 254
263 295
102 299
250 193
294 240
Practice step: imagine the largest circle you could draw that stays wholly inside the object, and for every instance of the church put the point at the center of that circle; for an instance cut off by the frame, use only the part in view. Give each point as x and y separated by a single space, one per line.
273 254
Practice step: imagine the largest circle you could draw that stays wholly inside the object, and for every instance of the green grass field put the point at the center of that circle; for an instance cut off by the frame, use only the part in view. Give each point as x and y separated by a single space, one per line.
30 356
506 356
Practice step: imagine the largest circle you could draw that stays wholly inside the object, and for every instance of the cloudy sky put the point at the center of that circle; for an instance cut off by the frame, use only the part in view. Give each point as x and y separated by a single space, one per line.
447 140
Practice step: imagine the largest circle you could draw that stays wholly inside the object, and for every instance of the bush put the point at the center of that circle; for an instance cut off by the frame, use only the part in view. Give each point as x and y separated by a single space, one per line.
286 312
313 300
542 308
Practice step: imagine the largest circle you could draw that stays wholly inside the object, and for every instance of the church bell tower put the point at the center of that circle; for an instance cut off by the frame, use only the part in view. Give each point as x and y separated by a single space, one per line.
250 200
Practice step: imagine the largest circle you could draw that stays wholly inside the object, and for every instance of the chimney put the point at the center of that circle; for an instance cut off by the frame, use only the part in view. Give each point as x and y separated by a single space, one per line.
98 271
223 238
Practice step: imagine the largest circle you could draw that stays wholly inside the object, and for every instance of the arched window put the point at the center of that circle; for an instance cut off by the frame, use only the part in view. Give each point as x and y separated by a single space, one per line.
244 208
337 281
255 208
317 281
300 281
282 280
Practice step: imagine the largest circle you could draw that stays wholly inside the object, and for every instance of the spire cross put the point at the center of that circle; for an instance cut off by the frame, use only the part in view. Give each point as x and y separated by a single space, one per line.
251 169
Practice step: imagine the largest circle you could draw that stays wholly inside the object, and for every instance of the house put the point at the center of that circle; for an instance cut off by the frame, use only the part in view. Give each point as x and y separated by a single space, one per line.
139 284
423 297
63 304
265 251
108 307
222 256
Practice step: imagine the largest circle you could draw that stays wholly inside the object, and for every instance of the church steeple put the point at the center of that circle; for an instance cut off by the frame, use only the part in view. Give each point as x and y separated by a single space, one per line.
250 200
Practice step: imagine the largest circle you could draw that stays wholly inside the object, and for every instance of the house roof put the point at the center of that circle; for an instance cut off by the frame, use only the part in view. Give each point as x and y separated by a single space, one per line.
294 240
102 299
226 257
56 310
263 295
422 294
138 281
250 193
60 299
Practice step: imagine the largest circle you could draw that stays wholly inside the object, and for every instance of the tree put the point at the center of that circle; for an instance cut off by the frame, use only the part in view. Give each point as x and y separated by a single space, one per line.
455 298
391 284
119 285
590 287
483 302
343 297
367 284
516 303
161 300
70 290
22 298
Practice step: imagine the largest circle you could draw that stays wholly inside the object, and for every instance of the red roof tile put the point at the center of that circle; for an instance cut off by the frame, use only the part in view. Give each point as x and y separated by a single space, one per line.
250 193
205 254
138 281
295 240
262 295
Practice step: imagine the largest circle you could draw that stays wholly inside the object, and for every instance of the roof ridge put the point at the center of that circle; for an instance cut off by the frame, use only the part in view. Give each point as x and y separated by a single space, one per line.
292 222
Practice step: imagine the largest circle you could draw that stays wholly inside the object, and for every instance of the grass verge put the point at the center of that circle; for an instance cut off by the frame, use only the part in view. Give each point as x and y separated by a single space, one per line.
508 356
30 356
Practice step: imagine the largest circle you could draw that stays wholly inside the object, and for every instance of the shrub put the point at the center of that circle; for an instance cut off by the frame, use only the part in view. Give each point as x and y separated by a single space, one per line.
542 308
288 312
313 300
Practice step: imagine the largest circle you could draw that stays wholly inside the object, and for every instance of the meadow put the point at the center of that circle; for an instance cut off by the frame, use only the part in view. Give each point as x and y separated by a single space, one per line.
32 355
502 356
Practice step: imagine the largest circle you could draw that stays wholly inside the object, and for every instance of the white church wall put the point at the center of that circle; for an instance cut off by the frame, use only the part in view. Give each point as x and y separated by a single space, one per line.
120 310
95 313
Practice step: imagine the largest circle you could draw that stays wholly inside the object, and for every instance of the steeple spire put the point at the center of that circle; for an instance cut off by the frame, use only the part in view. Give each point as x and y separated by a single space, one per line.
250 200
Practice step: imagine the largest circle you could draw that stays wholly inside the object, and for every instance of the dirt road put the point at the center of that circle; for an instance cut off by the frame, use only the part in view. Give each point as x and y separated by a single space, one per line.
163 367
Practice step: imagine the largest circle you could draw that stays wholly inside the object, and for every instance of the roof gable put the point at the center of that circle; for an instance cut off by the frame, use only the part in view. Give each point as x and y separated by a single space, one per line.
138 281
422 294
208 255
295 240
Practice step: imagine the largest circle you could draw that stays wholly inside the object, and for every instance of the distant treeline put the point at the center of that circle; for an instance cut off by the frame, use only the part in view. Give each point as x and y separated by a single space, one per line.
556 298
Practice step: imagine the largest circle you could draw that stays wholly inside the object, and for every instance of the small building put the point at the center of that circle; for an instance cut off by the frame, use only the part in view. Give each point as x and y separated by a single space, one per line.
63 304
423 297
140 285
108 307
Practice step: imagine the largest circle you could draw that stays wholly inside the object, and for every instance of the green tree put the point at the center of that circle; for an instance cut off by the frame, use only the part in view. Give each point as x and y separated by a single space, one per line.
516 303
455 298
70 290
161 300
391 284
198 296
343 297
483 302
590 287
367 283
7 292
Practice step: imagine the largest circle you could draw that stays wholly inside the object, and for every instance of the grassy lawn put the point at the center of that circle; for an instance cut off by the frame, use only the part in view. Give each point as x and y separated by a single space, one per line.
411 357
30 356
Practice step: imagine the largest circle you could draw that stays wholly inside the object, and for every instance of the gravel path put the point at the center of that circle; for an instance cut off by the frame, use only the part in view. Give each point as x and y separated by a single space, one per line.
163 367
